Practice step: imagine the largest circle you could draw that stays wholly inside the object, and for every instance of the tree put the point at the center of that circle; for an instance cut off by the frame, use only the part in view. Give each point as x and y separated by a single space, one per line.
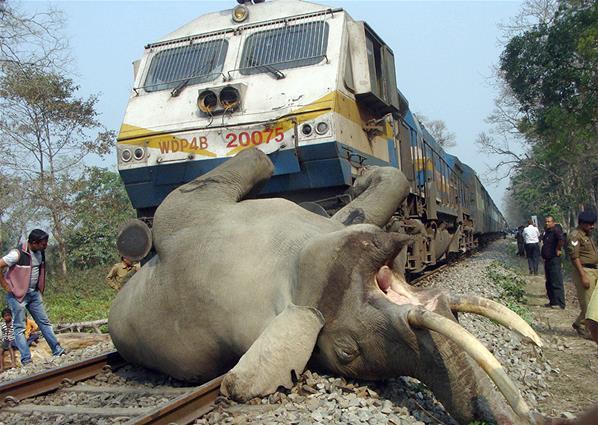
439 131
26 39
101 205
46 133
31 38
14 212
532 12
545 124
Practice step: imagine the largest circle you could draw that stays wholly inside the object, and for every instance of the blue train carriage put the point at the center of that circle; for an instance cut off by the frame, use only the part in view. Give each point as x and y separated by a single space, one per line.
437 204
308 85
489 223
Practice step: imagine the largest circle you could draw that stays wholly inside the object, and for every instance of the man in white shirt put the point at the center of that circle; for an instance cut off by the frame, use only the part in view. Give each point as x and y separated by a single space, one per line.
531 238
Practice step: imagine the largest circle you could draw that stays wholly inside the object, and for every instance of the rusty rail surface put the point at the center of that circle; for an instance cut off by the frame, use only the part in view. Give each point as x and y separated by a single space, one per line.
45 382
425 276
183 409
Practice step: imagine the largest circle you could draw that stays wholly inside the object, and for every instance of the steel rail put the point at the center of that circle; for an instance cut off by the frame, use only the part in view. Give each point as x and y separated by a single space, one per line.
183 409
416 281
51 380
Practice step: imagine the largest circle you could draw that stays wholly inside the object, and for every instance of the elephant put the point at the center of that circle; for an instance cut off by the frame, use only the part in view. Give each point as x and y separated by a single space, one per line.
258 287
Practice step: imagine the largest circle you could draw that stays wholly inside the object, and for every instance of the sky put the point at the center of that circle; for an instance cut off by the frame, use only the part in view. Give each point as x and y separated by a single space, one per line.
444 54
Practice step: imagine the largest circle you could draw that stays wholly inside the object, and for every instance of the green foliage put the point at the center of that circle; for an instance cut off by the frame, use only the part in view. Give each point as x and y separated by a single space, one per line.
80 296
551 72
512 286
45 132
100 207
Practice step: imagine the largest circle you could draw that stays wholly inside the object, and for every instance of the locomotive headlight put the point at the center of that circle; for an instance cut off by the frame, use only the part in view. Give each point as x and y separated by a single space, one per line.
306 129
138 153
240 13
125 155
322 127
207 101
230 98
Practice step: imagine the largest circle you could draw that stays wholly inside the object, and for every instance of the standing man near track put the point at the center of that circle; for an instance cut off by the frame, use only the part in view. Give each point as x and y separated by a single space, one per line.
584 256
25 282
552 243
531 237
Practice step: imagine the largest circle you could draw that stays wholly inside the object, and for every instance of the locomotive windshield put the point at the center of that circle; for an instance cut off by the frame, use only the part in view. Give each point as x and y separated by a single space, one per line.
189 64
287 47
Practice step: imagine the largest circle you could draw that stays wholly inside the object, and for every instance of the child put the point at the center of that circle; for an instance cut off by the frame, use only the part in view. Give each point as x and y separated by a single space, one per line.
8 338
31 331
121 273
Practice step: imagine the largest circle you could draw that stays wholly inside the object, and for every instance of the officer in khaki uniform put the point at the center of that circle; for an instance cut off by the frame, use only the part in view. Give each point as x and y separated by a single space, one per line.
121 273
584 256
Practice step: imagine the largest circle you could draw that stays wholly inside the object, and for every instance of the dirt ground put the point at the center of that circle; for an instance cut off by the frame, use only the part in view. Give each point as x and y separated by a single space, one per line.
575 388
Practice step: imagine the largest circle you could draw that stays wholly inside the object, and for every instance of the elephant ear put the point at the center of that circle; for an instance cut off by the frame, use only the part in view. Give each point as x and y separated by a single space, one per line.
283 348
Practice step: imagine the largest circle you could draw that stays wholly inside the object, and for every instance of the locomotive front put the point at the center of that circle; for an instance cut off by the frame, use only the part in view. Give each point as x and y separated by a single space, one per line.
255 75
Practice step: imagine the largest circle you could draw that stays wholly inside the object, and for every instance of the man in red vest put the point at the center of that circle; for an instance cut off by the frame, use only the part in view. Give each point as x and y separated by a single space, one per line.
25 282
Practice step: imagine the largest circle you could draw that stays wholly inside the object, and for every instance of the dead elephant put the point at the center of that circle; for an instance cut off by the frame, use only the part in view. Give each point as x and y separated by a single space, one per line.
262 286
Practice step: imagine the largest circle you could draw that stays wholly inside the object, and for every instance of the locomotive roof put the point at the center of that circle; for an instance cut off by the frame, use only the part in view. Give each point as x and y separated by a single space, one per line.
266 11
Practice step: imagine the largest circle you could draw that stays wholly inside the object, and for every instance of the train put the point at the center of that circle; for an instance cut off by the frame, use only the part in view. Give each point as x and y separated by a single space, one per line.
314 89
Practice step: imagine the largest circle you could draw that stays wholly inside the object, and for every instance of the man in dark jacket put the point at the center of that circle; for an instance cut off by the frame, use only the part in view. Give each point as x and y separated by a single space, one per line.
520 242
25 282
552 244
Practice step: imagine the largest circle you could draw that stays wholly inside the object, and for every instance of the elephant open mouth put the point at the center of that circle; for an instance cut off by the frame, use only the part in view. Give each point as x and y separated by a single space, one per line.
401 293
422 315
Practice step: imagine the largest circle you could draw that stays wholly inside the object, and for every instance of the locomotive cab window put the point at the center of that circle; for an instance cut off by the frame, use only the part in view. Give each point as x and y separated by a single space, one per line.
189 64
283 48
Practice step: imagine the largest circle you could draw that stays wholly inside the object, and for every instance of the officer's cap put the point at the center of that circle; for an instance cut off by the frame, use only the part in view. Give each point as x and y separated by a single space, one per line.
587 217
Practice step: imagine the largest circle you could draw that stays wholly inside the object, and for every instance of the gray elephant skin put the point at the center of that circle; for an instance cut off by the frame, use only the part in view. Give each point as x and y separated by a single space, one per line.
259 287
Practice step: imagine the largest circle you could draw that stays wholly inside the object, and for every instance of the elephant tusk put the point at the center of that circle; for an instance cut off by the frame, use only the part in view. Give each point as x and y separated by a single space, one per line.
422 318
495 311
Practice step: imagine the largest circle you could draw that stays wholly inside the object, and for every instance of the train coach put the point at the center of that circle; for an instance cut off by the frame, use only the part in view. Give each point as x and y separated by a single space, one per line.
314 89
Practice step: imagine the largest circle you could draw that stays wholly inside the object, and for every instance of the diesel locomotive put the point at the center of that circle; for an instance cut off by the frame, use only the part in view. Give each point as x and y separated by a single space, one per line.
314 89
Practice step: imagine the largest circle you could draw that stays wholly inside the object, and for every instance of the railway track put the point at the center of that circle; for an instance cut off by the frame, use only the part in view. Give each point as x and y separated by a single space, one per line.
419 281
86 392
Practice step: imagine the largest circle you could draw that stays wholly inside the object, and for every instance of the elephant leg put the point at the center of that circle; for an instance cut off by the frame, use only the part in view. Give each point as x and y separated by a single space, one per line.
378 193
228 183
233 179
283 348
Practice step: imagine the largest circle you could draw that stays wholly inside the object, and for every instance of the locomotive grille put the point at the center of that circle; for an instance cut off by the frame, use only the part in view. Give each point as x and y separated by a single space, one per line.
186 62
287 46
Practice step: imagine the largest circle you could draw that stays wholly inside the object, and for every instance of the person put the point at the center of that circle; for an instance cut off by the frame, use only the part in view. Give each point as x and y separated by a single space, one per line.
8 338
584 256
531 238
25 282
121 272
552 244
592 317
31 331
520 242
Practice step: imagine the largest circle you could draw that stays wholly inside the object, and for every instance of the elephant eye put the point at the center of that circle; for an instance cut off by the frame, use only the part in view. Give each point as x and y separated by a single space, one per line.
346 350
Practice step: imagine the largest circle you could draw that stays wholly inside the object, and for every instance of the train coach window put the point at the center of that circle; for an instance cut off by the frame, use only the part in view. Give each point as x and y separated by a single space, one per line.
282 48
189 64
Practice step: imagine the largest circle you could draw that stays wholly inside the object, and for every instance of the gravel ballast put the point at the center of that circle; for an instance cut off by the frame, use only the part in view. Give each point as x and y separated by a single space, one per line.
318 398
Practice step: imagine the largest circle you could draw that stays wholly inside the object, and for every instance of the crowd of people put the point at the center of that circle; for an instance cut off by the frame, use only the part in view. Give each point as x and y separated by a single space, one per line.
581 249
24 282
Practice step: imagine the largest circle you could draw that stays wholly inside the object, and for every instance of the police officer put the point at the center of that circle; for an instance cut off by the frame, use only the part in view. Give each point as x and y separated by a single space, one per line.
584 256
